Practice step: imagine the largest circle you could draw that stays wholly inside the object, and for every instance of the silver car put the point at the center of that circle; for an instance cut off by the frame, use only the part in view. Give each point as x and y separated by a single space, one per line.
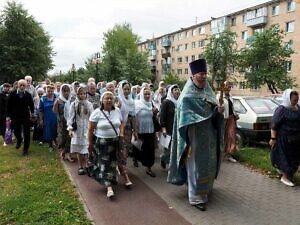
255 117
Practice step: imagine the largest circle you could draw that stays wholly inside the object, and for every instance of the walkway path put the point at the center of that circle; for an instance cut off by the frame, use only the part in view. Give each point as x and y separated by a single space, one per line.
240 197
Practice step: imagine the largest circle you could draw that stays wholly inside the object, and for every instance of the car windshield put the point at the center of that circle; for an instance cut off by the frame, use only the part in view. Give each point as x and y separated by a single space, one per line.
262 105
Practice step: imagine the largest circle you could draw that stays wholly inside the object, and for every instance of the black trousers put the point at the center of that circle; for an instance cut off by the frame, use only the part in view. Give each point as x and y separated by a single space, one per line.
19 125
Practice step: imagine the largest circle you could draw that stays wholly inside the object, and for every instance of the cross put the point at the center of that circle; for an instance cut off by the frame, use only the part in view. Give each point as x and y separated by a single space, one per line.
222 88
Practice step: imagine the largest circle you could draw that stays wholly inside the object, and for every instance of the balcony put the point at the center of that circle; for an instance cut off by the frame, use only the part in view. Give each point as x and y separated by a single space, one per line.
166 68
152 55
153 68
250 40
166 42
165 55
258 21
219 25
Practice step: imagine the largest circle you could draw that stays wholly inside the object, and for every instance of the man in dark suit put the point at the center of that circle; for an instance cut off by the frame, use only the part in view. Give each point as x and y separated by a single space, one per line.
3 104
19 109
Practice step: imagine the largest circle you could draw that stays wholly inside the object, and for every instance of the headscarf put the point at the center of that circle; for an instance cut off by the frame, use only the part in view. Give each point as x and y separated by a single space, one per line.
286 98
127 104
170 95
105 93
142 103
81 105
61 96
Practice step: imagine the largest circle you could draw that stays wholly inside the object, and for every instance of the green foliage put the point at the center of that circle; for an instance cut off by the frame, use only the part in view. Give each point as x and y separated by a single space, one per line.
221 56
173 79
25 48
36 189
265 60
121 59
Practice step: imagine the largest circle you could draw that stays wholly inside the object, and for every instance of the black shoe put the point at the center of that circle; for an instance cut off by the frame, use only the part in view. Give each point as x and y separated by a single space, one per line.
135 163
25 152
18 145
150 173
163 164
201 206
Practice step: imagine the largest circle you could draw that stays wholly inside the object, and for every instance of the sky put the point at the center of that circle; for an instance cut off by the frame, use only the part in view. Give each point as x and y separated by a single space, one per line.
76 26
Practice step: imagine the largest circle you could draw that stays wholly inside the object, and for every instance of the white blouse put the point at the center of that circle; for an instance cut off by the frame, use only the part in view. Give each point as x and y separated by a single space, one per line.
104 128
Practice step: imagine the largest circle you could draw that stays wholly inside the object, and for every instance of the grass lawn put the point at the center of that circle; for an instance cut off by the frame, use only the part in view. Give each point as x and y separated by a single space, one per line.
36 190
258 158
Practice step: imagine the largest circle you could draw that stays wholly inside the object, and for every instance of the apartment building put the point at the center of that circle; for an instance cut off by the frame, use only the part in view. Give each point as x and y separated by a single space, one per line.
172 52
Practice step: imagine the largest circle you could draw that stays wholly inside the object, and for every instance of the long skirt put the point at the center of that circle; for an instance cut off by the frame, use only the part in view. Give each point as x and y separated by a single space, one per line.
104 168
63 137
147 153
229 135
286 155
126 148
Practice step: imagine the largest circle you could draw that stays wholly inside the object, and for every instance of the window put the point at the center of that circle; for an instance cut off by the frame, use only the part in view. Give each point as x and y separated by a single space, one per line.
200 56
186 71
179 71
291 6
244 35
194 32
179 60
244 18
258 30
193 44
186 59
180 36
233 21
202 30
289 44
238 106
173 60
242 85
290 26
187 34
201 43
186 46
179 48
289 66
173 49
193 58
275 10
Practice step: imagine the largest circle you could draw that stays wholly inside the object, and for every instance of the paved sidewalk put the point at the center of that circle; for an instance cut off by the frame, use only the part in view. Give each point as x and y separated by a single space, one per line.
240 197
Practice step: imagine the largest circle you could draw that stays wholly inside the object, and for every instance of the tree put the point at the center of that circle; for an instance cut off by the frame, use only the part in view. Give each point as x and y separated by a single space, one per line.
25 48
221 55
265 61
121 58
170 79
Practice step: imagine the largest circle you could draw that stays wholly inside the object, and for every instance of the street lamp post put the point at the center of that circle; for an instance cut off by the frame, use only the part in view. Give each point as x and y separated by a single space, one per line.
73 69
96 61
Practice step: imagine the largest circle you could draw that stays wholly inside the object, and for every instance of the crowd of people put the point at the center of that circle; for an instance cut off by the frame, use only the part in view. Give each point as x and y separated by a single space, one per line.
97 124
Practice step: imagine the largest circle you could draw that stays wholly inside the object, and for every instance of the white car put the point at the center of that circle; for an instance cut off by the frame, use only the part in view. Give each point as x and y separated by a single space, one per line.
255 117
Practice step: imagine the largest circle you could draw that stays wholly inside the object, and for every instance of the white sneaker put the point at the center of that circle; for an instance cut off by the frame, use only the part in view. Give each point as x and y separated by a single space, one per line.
110 193
4 144
287 182
231 159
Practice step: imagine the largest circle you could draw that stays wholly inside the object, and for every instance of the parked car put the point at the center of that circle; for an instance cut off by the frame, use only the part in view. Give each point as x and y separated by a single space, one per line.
255 117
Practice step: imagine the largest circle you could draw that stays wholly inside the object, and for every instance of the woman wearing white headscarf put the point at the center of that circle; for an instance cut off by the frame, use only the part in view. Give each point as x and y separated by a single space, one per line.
80 111
167 113
107 125
145 130
61 104
128 114
285 137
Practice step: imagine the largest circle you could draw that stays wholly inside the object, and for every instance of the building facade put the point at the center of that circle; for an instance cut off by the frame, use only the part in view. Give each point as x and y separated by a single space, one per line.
172 52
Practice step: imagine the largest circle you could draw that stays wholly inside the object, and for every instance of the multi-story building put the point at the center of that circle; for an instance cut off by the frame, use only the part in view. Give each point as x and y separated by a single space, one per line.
172 52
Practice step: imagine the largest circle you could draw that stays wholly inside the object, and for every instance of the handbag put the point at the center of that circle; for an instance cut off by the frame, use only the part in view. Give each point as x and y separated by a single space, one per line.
74 124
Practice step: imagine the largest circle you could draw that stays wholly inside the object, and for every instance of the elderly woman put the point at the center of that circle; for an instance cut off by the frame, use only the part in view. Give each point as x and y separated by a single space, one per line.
285 137
145 129
63 139
106 124
37 129
167 113
128 114
48 119
80 111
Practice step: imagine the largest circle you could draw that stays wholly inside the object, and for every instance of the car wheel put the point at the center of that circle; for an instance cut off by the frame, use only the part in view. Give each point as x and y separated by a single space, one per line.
240 141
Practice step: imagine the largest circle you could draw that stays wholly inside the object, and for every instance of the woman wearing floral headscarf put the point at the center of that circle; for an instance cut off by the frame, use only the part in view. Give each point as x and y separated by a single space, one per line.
285 137
145 129
63 139
80 111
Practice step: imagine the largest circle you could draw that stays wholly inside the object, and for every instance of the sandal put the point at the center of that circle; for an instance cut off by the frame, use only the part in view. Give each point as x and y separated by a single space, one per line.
81 171
110 194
